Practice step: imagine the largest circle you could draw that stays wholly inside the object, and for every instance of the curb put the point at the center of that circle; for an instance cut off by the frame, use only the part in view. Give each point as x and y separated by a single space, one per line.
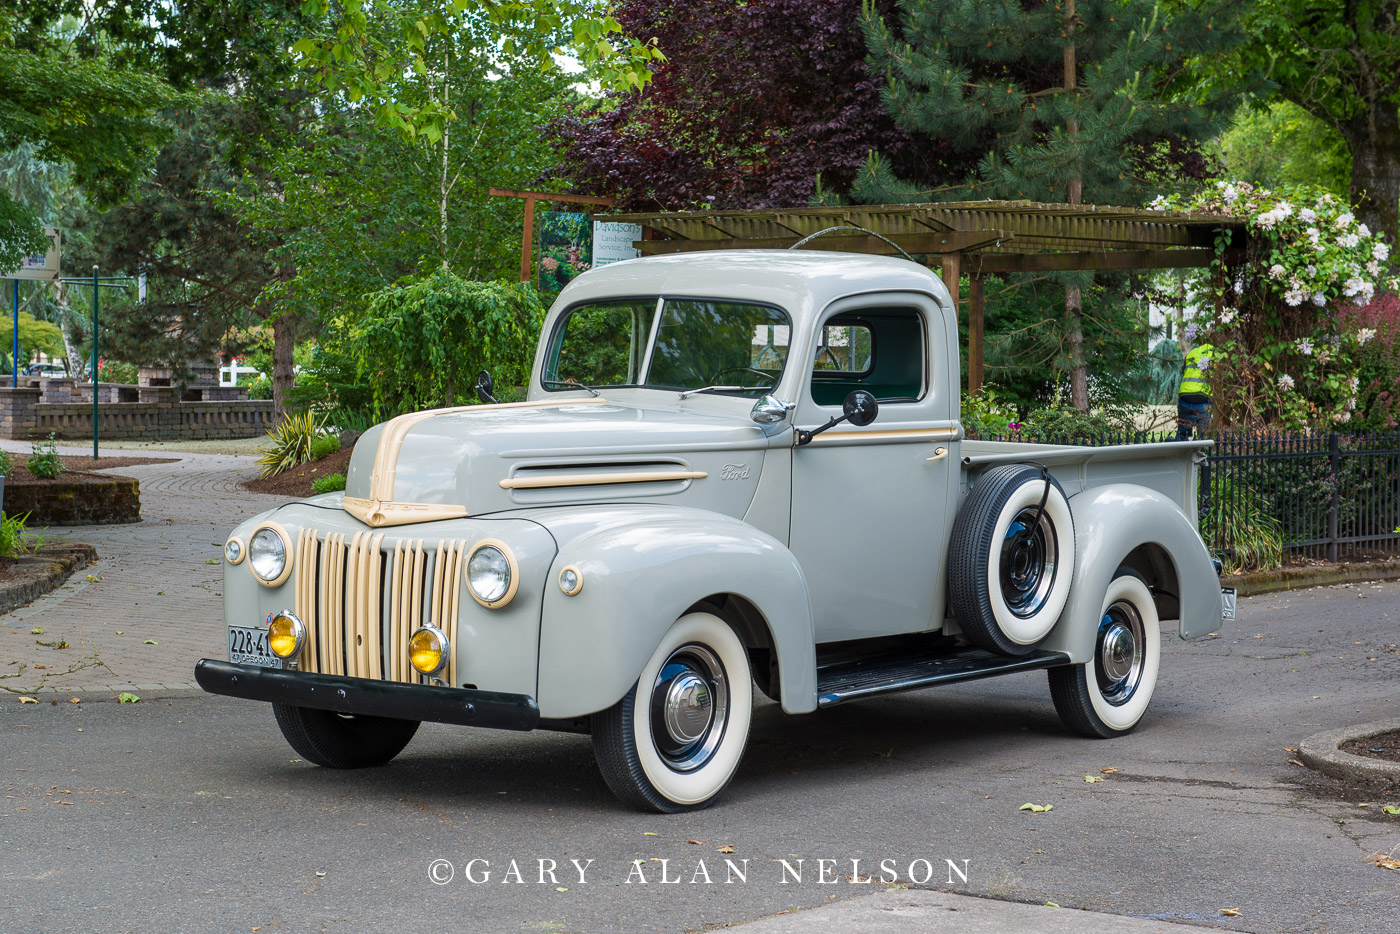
1320 751
1259 582
65 559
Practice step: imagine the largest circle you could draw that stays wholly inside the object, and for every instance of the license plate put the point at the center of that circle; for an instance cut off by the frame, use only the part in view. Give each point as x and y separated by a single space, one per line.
1227 603
248 646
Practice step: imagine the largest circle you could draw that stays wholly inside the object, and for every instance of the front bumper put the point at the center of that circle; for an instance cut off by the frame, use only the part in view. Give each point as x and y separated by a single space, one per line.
462 706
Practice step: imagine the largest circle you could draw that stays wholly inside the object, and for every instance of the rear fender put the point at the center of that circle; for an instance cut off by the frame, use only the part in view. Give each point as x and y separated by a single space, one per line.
1110 521
642 574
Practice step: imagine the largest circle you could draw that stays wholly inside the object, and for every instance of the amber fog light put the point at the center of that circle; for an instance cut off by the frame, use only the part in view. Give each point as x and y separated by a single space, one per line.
286 635
427 650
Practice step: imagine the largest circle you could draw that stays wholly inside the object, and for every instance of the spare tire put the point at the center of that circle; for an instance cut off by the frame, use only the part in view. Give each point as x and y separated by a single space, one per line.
1009 574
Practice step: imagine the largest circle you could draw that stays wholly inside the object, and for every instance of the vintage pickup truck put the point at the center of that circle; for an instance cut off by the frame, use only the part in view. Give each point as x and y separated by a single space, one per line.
732 468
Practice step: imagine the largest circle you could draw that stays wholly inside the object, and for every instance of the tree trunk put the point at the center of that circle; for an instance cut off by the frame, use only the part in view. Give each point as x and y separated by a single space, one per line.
1074 305
65 327
284 337
1374 139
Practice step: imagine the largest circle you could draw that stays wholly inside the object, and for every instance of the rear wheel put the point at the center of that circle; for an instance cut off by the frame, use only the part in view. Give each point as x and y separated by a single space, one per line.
343 741
675 740
1108 695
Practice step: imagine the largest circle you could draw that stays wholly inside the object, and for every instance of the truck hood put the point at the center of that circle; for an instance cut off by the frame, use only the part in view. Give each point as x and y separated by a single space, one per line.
476 460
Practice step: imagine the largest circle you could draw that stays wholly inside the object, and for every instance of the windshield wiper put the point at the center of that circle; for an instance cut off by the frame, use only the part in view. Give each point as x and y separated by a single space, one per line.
691 392
570 384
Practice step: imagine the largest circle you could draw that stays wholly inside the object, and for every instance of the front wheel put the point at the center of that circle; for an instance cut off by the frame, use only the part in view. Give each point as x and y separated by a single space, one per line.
343 741
1108 695
675 740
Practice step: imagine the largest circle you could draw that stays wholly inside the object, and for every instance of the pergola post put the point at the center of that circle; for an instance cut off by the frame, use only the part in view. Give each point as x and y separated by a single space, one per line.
976 307
952 272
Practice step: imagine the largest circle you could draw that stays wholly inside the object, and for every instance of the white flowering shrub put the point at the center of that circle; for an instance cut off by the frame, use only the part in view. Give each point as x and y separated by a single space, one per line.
1283 352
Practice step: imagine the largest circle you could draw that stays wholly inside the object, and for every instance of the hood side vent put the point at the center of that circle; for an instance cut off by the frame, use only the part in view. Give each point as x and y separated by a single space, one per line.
537 482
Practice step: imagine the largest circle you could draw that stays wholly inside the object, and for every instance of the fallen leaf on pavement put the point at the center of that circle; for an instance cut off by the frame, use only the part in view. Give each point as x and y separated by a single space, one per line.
1110 770
650 834
1036 808
725 849
1297 763
1093 778
696 842
75 700
1230 911
1391 809
126 697
37 631
28 700
151 642
1385 862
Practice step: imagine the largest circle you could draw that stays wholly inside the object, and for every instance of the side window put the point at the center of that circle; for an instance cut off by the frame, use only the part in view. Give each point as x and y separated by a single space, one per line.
880 350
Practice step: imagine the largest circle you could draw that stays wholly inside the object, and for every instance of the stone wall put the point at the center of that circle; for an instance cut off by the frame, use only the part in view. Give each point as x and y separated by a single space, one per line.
156 414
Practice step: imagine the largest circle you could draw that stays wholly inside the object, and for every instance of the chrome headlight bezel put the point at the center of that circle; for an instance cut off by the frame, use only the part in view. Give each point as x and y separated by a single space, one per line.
444 649
286 569
512 571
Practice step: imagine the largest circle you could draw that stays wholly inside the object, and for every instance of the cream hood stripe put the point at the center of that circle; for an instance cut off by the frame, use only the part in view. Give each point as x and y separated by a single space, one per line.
391 439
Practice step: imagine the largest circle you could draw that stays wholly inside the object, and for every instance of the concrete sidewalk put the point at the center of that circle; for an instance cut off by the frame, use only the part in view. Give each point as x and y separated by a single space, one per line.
152 605
899 912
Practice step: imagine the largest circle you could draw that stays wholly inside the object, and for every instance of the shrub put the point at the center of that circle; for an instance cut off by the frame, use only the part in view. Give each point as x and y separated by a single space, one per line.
291 443
330 483
44 462
986 417
324 446
7 466
1239 525
116 371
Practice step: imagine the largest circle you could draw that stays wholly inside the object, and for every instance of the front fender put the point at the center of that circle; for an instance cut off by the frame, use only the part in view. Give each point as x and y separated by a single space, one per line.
642 568
1109 522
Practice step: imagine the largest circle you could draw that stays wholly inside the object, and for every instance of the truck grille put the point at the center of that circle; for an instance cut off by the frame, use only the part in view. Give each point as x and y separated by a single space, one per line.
362 599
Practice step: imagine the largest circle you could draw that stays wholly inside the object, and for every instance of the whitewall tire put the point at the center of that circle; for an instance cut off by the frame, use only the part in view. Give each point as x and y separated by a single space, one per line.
675 740
1010 562
1108 695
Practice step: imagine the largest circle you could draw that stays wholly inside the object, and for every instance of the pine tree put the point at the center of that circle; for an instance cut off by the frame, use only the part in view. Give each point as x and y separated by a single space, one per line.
1052 101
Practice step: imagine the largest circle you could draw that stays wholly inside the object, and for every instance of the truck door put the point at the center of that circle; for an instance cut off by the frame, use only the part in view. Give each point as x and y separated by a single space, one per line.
872 507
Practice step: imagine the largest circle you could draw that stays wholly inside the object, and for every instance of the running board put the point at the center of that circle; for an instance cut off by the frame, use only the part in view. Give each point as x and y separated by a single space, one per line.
852 679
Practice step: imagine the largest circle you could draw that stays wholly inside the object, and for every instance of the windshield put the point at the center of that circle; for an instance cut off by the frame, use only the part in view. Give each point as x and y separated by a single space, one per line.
676 343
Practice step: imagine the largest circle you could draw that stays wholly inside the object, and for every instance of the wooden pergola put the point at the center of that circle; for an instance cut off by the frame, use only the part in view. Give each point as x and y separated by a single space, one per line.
972 238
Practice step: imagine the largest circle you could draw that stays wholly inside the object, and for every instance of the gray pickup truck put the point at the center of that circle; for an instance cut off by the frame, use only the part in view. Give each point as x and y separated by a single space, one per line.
732 468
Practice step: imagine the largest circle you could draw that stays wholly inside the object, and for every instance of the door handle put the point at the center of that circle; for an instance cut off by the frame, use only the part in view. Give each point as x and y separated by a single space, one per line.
939 454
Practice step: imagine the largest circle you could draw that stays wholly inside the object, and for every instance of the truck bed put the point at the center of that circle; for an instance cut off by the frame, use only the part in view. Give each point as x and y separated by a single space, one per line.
1167 467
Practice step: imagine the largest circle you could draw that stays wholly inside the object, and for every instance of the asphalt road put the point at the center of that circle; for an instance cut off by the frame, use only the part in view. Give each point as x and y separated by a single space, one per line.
192 814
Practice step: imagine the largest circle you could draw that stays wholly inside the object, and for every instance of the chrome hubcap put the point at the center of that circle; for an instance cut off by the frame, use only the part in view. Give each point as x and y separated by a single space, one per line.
1028 559
1120 653
689 702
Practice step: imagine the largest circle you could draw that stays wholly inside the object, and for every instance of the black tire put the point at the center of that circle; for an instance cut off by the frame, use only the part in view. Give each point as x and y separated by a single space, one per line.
1100 703
648 768
343 741
1007 591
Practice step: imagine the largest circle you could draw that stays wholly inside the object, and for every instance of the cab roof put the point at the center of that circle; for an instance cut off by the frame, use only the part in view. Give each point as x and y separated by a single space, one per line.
797 280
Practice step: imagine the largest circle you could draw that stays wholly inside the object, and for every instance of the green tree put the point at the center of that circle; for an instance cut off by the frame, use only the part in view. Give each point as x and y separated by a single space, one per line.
422 344
358 49
74 108
1339 60
1055 101
1280 144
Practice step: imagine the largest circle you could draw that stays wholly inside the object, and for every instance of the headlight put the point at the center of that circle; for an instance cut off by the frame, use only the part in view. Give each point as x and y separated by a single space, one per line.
427 650
234 553
571 580
268 552
492 574
286 635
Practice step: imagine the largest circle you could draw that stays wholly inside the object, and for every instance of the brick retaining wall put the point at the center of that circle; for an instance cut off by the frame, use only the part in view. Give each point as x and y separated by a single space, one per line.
159 415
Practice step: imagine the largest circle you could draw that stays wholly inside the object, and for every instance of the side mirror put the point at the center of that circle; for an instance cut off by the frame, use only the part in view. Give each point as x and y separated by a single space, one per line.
860 408
485 386
770 410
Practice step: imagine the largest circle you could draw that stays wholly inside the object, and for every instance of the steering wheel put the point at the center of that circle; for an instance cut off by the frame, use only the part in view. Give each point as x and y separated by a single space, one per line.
770 378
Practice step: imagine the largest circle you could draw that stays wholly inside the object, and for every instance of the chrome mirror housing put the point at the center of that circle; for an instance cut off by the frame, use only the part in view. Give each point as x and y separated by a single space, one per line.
770 410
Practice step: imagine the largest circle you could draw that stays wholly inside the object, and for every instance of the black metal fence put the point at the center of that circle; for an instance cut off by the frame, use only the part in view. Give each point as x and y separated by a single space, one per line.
1325 495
